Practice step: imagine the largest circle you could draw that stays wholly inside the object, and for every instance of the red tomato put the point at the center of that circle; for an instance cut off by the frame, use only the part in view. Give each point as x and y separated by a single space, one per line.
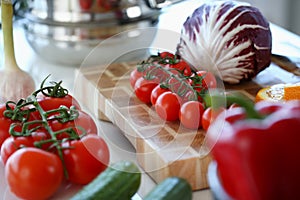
209 79
190 95
159 74
86 158
86 4
4 130
156 92
84 121
143 88
209 116
183 67
190 114
167 106
166 54
50 103
134 76
4 124
178 86
38 139
105 4
12 144
32 173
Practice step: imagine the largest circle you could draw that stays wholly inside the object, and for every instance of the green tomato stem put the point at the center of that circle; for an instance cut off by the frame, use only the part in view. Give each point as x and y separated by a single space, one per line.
216 99
183 88
50 131
56 91
21 111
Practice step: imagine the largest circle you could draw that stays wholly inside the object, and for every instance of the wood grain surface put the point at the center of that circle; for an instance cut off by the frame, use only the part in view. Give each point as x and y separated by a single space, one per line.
163 149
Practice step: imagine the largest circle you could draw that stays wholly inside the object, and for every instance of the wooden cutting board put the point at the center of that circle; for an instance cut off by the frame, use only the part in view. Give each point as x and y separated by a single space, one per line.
163 149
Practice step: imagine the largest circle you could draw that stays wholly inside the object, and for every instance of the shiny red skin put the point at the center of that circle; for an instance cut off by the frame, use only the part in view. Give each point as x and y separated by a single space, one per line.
262 153
86 158
168 106
24 169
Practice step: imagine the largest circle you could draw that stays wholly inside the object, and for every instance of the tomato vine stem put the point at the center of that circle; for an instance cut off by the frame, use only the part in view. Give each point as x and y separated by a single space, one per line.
164 74
21 111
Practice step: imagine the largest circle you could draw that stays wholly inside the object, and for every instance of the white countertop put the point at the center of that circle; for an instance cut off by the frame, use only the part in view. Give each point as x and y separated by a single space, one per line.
120 147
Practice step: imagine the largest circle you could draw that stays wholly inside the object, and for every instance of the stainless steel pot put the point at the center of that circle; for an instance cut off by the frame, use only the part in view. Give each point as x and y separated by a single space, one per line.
65 31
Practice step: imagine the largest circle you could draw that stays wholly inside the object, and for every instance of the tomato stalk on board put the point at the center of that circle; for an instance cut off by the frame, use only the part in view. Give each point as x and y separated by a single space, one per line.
174 73
256 148
169 78
169 73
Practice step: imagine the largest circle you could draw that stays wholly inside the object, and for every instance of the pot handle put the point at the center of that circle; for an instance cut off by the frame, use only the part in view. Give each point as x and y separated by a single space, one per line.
158 4
20 7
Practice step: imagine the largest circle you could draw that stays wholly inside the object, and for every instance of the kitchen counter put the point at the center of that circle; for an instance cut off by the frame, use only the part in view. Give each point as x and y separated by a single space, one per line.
284 42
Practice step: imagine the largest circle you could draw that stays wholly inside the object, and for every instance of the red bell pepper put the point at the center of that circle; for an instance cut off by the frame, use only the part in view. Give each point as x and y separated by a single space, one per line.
257 150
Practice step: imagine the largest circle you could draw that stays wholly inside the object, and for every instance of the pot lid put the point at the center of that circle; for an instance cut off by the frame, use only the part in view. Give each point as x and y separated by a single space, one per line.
89 12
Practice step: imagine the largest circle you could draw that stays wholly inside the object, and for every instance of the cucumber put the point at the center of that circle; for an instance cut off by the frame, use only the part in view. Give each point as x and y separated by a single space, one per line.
172 188
120 181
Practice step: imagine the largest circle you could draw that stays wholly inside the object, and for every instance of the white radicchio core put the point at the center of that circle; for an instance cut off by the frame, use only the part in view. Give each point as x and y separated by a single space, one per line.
231 39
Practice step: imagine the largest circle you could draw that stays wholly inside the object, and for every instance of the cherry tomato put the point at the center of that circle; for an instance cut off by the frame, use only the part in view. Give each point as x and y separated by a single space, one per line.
50 103
190 95
183 66
38 138
209 115
84 121
85 158
143 88
190 114
209 79
178 86
134 76
86 4
156 92
5 125
166 54
167 106
4 129
12 144
32 173
159 74
105 4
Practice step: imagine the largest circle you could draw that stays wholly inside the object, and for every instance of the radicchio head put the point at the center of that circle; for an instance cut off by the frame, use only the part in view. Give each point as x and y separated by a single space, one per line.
231 39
